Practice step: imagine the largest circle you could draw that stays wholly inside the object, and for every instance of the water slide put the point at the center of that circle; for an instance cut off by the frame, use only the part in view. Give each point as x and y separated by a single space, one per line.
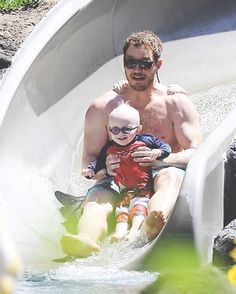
75 55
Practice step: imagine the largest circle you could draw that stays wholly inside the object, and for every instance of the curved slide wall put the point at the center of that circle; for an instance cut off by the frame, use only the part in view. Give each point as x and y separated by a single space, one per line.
74 55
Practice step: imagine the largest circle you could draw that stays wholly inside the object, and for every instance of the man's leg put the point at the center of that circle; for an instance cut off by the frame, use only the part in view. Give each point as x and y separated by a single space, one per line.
92 225
167 184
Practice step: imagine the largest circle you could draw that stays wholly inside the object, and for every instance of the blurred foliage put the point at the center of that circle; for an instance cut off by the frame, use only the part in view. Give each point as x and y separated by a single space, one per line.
231 274
201 280
9 5
172 253
181 270
232 253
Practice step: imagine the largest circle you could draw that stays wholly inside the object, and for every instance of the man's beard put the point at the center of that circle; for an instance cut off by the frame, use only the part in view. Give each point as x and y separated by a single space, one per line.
139 86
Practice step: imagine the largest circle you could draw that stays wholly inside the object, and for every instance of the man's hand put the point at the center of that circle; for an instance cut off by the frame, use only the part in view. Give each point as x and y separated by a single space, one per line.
146 156
112 163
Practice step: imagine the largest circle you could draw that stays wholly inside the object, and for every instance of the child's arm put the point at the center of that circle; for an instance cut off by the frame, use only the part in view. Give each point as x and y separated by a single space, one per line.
174 89
162 152
159 148
89 172
120 87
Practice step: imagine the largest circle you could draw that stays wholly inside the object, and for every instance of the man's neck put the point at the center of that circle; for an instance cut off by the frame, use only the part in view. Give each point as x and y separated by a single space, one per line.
139 99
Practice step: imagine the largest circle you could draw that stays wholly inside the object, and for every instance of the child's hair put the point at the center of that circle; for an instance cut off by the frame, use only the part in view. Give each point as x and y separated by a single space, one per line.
126 110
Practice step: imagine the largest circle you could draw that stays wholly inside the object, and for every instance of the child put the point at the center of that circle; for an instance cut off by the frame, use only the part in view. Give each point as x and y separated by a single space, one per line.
132 181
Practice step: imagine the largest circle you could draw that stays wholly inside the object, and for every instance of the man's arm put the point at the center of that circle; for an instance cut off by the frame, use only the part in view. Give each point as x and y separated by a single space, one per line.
186 129
95 132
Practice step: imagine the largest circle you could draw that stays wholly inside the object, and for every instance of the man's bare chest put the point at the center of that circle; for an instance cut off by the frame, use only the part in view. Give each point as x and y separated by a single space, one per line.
157 122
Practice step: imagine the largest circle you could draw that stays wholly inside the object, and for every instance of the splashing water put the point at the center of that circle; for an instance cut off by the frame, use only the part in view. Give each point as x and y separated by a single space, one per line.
75 278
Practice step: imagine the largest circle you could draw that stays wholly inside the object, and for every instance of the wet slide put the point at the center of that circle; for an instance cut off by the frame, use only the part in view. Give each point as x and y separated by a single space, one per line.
75 55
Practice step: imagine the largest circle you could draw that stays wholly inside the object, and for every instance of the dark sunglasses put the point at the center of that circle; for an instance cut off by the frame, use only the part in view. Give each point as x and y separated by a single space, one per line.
142 63
124 130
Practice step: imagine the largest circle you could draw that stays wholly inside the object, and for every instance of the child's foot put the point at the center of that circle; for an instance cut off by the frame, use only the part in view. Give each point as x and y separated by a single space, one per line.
120 232
78 245
132 235
153 224
116 237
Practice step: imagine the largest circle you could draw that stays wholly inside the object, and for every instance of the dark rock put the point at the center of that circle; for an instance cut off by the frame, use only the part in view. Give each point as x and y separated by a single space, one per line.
15 26
223 244
230 184
5 61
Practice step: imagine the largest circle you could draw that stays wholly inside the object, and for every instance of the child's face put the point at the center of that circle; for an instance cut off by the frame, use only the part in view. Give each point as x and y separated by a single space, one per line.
122 131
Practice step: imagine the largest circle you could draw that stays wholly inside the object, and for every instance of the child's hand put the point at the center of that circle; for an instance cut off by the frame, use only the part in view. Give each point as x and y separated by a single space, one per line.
174 88
155 154
88 173
120 87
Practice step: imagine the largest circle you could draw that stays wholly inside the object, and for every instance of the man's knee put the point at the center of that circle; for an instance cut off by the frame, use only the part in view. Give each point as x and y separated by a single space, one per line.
94 208
100 197
169 176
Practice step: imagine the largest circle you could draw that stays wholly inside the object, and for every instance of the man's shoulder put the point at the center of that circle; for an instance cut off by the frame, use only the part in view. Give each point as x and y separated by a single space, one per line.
107 99
171 93
104 98
160 89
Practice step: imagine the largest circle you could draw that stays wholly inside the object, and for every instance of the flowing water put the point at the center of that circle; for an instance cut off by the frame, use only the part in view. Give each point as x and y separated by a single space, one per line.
73 279
102 273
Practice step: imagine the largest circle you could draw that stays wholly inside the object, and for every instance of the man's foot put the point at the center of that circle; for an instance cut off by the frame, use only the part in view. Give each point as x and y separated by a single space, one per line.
69 200
153 224
78 245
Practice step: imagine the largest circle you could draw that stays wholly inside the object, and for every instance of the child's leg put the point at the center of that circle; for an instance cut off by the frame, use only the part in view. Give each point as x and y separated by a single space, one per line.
137 213
120 232
121 227
136 224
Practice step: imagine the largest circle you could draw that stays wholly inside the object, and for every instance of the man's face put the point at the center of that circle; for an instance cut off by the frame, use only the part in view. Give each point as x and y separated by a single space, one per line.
142 74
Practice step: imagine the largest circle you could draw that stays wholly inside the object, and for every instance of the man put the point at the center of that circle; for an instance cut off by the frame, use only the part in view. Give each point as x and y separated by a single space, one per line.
171 118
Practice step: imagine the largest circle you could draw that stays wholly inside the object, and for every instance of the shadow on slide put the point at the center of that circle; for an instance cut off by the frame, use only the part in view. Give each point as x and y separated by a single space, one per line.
74 55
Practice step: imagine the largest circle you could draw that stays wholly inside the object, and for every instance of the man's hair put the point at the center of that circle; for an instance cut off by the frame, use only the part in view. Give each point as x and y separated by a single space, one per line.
147 38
